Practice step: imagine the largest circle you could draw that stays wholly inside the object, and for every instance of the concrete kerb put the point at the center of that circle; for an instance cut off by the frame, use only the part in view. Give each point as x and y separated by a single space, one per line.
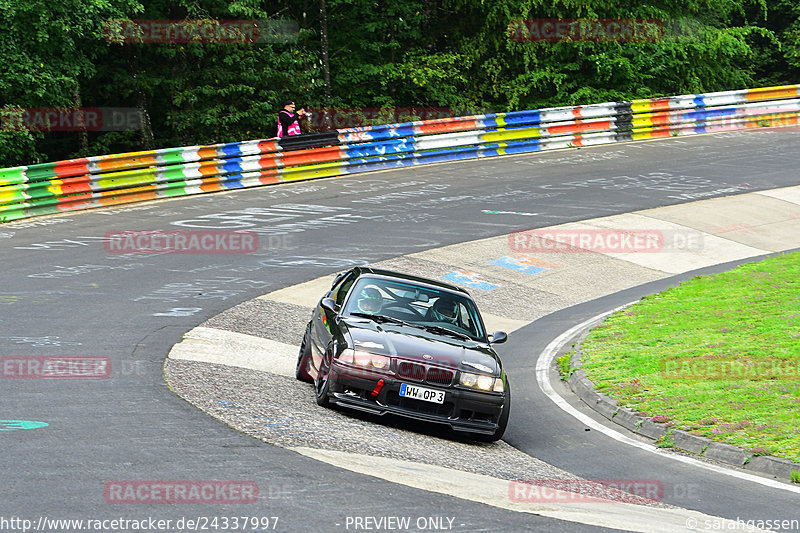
727 453
582 386
775 466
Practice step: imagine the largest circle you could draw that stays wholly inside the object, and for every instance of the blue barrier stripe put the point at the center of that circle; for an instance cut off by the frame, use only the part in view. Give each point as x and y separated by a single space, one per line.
709 113
523 117
380 165
232 181
379 148
527 145
367 161
230 149
231 165
435 156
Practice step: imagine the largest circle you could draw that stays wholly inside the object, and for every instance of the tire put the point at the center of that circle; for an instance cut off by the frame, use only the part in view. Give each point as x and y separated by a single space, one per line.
502 424
301 369
321 386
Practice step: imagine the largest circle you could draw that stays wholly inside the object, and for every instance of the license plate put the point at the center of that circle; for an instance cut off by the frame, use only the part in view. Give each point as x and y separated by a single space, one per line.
420 393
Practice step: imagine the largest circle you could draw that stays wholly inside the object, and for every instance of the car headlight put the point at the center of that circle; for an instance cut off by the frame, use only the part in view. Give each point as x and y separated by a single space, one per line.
365 359
480 381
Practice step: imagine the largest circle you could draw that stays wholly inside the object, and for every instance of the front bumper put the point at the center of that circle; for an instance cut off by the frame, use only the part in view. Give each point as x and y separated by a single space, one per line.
463 410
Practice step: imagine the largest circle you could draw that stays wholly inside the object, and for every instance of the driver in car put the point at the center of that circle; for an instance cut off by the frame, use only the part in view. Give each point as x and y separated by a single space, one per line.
445 310
370 301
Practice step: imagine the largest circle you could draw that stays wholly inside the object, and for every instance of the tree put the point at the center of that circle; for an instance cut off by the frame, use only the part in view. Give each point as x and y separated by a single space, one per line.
46 52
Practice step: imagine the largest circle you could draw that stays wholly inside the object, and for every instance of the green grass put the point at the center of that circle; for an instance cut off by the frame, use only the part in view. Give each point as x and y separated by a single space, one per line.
564 368
718 356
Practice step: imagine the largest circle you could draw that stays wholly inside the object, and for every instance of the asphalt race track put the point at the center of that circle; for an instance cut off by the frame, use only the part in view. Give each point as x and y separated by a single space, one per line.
62 293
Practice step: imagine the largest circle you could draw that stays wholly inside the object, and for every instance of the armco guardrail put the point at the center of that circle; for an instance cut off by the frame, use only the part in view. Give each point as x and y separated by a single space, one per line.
122 178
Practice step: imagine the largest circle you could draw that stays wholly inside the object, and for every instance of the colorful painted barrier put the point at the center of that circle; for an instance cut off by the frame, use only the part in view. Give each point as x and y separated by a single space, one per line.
123 178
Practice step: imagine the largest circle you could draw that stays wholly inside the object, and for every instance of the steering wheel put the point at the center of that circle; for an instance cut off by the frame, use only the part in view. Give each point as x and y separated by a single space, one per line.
396 304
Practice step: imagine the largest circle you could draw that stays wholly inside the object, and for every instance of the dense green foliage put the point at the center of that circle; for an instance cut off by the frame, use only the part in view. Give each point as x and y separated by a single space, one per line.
382 53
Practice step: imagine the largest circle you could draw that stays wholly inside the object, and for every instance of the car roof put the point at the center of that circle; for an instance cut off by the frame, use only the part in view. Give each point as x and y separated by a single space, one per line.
361 270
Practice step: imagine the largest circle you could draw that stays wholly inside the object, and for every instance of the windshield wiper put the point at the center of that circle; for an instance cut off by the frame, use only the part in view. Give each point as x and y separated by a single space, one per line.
382 318
445 331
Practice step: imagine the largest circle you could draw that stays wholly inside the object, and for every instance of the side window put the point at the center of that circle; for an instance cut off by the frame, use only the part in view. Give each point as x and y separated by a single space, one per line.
463 313
340 292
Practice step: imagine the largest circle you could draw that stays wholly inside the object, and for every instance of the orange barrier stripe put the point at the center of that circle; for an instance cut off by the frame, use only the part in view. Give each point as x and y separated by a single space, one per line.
268 178
663 131
71 167
207 152
312 155
134 159
122 197
268 146
269 161
581 127
208 168
210 186
78 187
446 127
768 93
75 204
660 119
659 105
71 199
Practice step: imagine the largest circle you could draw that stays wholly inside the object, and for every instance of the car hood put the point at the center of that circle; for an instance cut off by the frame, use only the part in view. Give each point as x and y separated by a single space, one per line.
413 343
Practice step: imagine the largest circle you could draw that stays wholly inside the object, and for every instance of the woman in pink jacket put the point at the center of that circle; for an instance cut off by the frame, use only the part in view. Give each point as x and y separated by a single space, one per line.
288 120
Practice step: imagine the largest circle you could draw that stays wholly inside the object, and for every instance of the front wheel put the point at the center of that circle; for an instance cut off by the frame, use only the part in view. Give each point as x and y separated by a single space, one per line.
301 370
322 385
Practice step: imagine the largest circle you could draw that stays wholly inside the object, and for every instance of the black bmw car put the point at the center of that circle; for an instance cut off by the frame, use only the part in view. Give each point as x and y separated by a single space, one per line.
391 343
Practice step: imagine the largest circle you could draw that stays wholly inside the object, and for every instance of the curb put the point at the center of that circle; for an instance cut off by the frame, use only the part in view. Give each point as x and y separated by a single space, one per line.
776 467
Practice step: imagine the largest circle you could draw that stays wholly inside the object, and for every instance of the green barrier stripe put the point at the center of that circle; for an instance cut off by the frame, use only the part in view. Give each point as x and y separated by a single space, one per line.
12 176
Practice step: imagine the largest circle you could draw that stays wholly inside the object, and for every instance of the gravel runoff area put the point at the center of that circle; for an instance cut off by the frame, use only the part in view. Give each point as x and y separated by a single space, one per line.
280 410
268 319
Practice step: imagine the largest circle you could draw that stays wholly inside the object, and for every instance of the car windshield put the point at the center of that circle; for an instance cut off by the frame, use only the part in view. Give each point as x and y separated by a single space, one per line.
439 310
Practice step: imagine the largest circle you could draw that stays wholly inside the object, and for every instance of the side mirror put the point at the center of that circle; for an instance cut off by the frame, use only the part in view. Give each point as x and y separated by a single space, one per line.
328 304
498 337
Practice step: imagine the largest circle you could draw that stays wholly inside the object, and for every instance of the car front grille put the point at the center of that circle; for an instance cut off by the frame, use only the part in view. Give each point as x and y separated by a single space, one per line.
430 374
408 370
439 376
